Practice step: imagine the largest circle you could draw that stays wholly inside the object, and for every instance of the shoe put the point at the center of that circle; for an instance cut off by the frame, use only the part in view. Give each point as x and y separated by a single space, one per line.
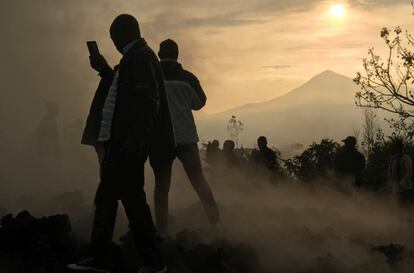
88 264
152 269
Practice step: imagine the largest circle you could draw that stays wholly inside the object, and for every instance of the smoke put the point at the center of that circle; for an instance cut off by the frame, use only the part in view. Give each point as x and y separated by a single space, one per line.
326 227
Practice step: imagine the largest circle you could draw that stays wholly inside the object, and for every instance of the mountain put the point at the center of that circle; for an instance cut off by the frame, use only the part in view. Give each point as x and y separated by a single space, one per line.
323 107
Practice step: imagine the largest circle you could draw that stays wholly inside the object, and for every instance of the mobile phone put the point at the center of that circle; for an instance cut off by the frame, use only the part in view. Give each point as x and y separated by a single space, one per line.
93 48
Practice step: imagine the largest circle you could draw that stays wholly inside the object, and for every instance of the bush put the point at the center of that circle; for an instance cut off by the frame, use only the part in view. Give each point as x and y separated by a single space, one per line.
314 162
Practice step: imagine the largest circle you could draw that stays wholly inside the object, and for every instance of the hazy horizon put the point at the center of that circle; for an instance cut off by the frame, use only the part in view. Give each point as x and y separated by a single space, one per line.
243 52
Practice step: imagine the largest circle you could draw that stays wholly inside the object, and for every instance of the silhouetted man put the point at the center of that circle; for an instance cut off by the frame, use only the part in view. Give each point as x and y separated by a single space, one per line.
349 161
48 133
265 156
184 94
401 168
229 157
213 152
124 117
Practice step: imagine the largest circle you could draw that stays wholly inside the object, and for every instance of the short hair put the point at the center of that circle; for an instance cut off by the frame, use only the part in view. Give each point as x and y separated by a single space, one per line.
229 145
350 141
168 50
127 24
262 139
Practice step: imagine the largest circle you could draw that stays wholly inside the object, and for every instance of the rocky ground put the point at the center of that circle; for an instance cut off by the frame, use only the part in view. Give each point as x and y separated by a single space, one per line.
35 245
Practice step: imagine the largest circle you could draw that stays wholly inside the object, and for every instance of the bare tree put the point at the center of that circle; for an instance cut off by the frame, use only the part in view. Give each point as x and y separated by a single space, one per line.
235 127
357 133
370 129
387 83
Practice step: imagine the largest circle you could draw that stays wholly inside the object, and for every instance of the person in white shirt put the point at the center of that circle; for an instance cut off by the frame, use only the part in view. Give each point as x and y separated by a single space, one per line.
184 94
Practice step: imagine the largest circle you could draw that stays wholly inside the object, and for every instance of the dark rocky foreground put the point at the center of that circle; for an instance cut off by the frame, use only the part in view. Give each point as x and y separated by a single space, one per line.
35 245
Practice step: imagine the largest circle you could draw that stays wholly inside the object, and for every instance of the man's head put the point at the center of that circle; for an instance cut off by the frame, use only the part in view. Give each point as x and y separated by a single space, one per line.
168 50
262 142
124 29
350 142
397 146
216 143
228 146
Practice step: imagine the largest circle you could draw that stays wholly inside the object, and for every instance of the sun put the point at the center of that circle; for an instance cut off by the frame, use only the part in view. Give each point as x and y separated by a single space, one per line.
338 10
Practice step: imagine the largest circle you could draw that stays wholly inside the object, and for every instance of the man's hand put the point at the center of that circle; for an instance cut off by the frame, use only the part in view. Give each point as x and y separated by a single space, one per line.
98 62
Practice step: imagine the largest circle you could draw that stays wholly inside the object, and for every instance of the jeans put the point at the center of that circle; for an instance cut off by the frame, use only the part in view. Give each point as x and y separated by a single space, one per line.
122 178
190 158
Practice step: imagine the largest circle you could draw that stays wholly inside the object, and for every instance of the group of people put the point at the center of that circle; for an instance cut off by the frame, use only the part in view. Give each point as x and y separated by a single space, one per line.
350 162
141 109
263 159
347 162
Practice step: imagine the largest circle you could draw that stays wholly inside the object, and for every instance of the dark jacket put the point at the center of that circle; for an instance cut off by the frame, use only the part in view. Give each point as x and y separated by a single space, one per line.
349 161
265 158
141 112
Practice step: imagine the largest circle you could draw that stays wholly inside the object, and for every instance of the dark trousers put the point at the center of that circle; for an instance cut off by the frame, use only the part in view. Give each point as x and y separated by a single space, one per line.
190 158
122 178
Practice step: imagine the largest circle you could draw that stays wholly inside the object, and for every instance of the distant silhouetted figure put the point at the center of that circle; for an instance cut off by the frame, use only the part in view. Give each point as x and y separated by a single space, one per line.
123 121
229 157
349 161
213 152
184 95
48 133
265 156
73 132
401 167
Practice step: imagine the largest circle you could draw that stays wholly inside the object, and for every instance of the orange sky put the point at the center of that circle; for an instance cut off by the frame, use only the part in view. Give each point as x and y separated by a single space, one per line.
246 54
243 51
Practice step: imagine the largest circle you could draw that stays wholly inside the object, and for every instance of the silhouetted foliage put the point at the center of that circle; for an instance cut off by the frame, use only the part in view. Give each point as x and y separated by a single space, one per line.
314 162
376 172
370 129
387 83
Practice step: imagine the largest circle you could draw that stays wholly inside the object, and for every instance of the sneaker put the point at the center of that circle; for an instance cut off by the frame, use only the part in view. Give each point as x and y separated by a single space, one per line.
151 269
88 264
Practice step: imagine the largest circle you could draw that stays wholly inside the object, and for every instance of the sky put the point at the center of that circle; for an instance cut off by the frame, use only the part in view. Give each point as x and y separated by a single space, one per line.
242 51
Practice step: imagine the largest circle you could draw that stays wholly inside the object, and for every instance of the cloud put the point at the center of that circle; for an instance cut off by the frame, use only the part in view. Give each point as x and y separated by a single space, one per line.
43 54
278 66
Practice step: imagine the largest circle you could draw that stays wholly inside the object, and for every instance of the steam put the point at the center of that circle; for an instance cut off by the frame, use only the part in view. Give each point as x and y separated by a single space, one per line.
326 227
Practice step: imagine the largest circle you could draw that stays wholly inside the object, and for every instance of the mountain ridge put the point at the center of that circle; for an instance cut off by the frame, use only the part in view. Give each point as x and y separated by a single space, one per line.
320 77
322 107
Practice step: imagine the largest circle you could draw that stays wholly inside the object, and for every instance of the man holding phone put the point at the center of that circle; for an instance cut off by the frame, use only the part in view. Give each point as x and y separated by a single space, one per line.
128 112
